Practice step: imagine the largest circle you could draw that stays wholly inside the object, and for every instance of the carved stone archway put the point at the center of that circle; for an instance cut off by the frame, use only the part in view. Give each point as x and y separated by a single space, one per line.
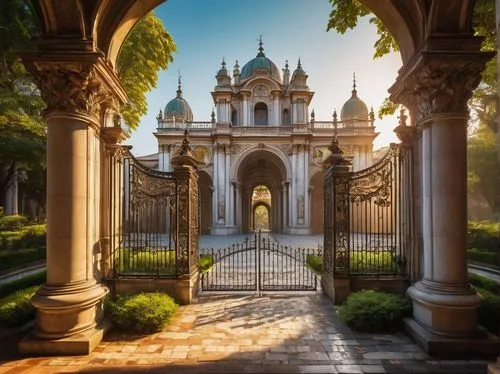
74 63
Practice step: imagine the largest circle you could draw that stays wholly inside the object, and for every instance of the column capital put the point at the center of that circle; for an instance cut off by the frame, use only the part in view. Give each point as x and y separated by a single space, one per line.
79 83
439 82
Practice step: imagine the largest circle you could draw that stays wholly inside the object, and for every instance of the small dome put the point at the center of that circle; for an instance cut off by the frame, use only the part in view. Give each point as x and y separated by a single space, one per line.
299 71
354 107
261 62
178 107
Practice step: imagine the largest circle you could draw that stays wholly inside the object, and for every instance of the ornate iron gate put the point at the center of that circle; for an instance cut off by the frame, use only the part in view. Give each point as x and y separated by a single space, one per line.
260 264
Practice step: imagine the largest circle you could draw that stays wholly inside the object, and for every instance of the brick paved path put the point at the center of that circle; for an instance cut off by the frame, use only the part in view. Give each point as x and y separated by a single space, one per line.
240 334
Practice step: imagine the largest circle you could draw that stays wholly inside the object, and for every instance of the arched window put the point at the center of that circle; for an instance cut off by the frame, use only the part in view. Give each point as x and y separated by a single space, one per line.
286 117
234 117
260 114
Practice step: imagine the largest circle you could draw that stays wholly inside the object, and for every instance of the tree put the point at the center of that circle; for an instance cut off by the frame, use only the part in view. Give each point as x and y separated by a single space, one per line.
147 50
484 166
345 15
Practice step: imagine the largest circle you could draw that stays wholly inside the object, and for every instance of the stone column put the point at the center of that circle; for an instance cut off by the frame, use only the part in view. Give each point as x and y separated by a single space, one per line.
69 305
444 305
11 196
245 110
227 184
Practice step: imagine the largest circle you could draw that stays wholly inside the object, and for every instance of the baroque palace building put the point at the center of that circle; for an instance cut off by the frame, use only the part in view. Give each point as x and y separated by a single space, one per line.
262 149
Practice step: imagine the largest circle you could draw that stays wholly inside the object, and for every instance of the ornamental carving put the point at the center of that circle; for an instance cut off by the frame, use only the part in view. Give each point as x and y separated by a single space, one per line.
285 148
237 148
440 86
72 87
261 90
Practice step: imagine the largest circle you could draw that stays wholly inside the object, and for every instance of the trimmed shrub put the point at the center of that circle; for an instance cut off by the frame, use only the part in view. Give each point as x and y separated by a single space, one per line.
206 263
484 283
141 313
488 314
483 234
16 309
370 310
373 262
482 255
19 284
35 236
11 223
11 259
146 261
315 263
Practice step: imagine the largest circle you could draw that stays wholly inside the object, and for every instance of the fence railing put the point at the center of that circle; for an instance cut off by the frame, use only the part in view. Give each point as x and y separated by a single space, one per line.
367 218
155 228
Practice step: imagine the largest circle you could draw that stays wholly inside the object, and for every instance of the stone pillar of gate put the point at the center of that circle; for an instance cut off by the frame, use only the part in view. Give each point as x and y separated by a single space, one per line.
76 87
187 224
438 85
335 280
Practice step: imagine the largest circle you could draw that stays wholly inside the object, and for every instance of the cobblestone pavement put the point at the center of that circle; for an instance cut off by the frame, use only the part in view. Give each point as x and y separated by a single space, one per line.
251 334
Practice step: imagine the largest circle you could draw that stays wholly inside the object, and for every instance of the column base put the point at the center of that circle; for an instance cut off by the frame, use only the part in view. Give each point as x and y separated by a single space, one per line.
445 309
79 344
483 345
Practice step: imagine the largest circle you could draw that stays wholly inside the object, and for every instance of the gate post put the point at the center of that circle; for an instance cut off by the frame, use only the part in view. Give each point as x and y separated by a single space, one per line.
187 223
335 280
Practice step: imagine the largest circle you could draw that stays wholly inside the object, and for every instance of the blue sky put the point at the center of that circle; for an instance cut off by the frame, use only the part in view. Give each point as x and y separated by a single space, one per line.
206 31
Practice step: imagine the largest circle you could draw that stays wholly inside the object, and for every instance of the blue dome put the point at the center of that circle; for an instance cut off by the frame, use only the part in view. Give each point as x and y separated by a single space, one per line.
179 107
261 62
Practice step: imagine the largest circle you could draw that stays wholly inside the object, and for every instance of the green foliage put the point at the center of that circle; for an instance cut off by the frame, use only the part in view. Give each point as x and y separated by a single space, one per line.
206 263
146 261
16 309
484 283
34 236
370 310
484 234
483 165
142 313
488 313
14 258
19 284
146 50
12 222
373 262
315 263
345 15
482 255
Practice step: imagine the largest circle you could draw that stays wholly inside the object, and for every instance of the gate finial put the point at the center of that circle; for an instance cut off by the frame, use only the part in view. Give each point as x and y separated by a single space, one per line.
336 157
185 157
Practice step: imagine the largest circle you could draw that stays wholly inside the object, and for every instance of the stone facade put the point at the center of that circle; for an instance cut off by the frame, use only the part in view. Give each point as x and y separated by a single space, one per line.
261 133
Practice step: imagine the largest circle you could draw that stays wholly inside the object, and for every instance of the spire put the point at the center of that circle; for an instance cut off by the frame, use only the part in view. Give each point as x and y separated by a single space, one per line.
299 65
261 50
335 124
354 92
179 90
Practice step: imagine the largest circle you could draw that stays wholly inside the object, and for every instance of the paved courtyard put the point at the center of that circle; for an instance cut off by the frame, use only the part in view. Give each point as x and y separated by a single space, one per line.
251 334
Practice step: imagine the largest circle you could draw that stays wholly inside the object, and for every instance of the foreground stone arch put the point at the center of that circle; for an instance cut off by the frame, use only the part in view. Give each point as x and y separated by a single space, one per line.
75 65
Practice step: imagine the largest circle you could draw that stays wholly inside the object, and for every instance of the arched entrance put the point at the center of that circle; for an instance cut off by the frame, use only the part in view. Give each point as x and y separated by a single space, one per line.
260 177
261 208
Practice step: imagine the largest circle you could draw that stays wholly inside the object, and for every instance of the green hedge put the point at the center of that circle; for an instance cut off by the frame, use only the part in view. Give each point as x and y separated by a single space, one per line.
18 284
484 234
146 261
488 314
16 309
482 255
142 313
27 237
206 263
369 310
12 223
484 283
11 259
315 263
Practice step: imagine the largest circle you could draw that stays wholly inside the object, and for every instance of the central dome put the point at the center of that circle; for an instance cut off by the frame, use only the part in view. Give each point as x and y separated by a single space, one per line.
261 62
178 107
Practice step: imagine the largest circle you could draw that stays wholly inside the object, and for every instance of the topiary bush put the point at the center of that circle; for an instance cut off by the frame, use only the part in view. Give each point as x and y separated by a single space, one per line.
12 259
12 223
482 255
483 234
141 313
315 263
206 263
36 279
16 309
372 311
484 283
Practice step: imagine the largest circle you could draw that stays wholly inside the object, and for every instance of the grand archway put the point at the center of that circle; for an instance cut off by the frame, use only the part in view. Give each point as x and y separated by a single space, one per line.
261 168
75 64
